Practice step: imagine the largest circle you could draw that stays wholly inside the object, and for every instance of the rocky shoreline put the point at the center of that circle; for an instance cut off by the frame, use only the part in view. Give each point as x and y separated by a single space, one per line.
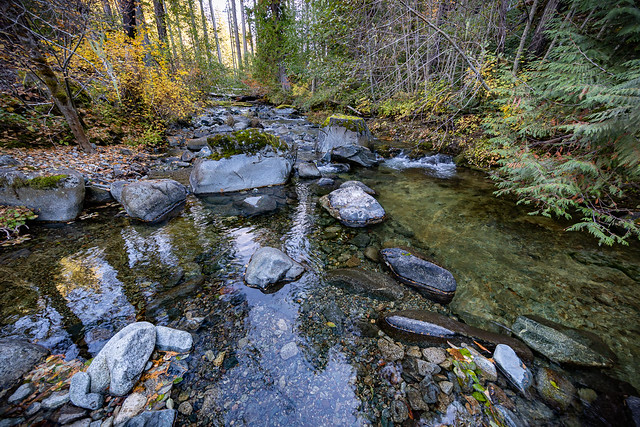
430 369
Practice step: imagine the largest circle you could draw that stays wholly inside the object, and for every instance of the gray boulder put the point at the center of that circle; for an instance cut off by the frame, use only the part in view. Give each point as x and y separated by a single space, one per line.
429 279
365 282
240 172
269 266
164 418
354 154
353 207
80 392
17 358
563 344
7 160
21 393
153 200
359 184
308 170
340 130
512 367
55 195
96 194
116 189
119 364
168 339
257 205
196 144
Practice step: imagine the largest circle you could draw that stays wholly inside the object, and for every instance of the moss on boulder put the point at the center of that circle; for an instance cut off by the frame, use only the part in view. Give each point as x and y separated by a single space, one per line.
352 123
249 141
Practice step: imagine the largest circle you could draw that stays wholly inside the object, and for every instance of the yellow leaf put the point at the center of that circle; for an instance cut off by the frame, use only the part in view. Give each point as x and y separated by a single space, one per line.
331 324
219 359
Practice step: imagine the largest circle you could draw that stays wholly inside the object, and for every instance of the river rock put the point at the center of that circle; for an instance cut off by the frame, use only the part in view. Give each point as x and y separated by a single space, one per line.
55 195
258 205
434 355
164 418
197 144
153 200
308 170
360 185
7 160
96 194
562 344
21 393
512 367
421 326
340 130
269 266
555 389
80 392
245 159
168 339
355 155
389 350
353 207
55 400
429 279
132 406
17 358
633 403
119 364
485 366
369 283
116 189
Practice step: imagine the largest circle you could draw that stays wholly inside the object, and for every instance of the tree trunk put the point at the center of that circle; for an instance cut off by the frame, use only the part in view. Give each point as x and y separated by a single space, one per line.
129 17
170 31
106 6
502 25
244 30
158 9
215 31
230 24
523 39
235 32
207 45
537 40
194 31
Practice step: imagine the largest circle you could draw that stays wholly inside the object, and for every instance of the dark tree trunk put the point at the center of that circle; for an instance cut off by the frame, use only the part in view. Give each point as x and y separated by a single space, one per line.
502 25
538 39
129 17
161 24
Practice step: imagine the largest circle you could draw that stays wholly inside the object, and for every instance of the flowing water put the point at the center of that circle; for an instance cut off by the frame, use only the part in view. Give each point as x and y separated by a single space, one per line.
299 355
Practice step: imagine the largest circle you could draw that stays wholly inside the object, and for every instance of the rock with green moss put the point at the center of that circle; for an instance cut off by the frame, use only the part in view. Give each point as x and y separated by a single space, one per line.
340 130
54 195
240 161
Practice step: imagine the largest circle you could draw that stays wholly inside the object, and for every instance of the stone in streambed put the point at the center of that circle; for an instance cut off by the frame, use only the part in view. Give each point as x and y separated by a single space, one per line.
21 393
153 200
17 358
168 339
556 390
563 344
356 155
80 392
429 279
132 406
164 418
308 170
425 326
55 400
119 364
512 367
365 282
269 266
353 207
360 185
389 350
257 205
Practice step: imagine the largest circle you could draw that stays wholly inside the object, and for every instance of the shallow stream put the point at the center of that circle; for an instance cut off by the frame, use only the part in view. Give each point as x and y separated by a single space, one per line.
301 355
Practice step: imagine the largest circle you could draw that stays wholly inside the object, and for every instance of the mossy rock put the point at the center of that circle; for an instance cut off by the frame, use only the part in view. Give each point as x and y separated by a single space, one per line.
352 123
249 141
283 106
43 182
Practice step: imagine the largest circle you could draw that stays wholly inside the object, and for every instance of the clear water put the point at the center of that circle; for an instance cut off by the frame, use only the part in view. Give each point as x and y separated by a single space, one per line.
297 356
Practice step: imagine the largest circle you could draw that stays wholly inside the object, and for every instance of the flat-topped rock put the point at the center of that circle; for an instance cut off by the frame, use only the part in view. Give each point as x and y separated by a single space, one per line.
562 344
428 327
429 279
269 266
370 191
353 207
369 283
308 170
153 200
340 130
17 358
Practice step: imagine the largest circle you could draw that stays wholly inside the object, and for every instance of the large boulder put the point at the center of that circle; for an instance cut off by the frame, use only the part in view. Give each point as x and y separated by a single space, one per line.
428 327
55 195
308 170
240 161
353 207
562 344
429 279
269 266
369 283
153 200
17 358
354 154
121 361
340 130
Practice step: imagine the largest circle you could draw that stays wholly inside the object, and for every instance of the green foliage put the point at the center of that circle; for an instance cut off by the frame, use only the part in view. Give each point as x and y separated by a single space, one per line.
44 182
13 218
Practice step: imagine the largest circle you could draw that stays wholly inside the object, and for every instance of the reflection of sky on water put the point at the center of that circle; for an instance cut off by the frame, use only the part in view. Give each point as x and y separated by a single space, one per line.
144 249
95 295
44 326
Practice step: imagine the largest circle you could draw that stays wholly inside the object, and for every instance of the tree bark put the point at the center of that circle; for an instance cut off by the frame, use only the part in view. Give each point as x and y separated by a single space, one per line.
244 30
235 32
502 25
194 31
525 33
129 17
161 24
207 45
215 31
537 40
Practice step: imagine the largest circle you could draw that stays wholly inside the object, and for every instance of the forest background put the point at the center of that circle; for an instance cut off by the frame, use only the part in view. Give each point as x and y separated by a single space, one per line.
543 94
